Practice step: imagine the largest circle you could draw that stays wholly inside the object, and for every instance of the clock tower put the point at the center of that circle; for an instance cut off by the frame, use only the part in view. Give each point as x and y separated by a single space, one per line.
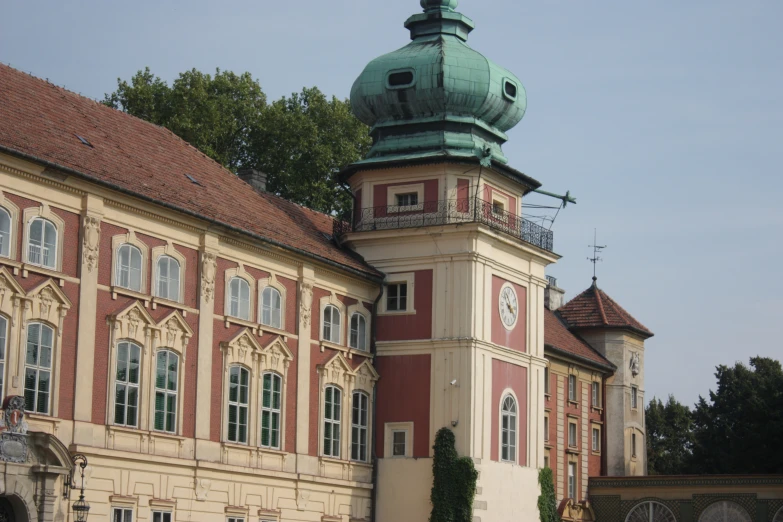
459 327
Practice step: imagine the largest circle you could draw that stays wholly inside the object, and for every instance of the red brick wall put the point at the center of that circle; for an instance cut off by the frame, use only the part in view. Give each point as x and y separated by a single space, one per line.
504 376
516 338
414 326
404 396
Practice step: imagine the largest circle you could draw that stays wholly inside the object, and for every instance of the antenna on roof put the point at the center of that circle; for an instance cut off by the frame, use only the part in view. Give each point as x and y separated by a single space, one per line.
596 250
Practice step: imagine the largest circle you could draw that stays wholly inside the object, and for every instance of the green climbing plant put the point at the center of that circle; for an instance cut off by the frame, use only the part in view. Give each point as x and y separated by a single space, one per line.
453 481
547 504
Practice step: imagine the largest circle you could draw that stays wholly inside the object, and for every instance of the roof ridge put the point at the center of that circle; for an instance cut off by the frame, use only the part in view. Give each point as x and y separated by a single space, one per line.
600 305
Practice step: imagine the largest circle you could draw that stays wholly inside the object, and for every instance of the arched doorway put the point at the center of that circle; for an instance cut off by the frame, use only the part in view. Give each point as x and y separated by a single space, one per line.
724 511
12 510
650 511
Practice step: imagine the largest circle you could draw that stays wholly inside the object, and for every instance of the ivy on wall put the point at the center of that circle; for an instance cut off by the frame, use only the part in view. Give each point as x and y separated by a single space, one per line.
547 504
453 481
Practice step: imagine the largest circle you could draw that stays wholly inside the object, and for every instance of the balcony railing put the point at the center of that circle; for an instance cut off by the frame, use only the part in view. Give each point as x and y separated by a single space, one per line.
446 212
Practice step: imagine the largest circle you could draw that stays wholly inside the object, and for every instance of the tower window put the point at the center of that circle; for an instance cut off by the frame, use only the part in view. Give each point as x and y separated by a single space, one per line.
510 89
634 397
400 79
399 443
407 200
397 297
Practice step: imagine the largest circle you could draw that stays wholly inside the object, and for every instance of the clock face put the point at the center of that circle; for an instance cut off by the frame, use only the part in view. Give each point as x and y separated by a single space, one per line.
509 307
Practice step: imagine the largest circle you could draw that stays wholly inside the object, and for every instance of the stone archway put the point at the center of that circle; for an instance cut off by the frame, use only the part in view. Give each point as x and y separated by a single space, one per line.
16 501
724 511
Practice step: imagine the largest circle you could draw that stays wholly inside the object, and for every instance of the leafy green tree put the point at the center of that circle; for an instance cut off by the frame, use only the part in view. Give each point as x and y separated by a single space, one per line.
453 481
669 437
301 141
547 502
740 428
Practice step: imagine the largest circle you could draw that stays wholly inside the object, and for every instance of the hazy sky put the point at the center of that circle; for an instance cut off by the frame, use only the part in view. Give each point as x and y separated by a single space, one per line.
663 118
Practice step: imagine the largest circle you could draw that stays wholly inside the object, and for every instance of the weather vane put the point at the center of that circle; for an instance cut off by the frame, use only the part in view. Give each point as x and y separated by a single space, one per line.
596 250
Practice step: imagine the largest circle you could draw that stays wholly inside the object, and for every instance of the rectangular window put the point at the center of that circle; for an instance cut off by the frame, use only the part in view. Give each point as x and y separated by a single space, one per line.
122 515
498 207
166 384
332 414
546 459
633 444
407 200
546 381
572 388
399 443
235 519
359 427
397 297
238 398
126 388
596 395
38 368
270 411
161 516
572 480
546 427
596 439
572 439
634 397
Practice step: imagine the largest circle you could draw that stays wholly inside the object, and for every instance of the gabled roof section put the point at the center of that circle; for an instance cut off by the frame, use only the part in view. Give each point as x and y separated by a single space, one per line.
559 339
79 136
594 309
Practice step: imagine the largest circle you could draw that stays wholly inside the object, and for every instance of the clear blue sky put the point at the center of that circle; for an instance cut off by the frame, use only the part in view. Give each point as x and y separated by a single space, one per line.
663 118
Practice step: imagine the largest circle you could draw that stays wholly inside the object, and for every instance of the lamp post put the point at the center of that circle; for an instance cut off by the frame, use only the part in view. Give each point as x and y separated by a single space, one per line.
80 508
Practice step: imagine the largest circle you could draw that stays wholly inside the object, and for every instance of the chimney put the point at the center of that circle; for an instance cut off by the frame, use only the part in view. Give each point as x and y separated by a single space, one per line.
553 296
255 178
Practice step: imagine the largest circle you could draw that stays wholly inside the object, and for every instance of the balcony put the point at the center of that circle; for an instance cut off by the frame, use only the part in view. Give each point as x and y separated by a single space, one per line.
447 212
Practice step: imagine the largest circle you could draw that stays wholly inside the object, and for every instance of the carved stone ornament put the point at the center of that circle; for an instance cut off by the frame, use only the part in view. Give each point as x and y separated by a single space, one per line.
635 365
134 318
46 298
208 271
13 434
3 288
202 488
306 305
171 331
91 242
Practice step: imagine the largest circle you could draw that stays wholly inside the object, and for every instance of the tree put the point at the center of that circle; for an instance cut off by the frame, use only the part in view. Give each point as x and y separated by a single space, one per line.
301 142
669 437
547 502
453 481
740 429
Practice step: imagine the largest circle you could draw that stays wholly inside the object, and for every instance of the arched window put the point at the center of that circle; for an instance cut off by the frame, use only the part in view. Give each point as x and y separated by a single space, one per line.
5 233
359 425
38 368
238 399
128 268
724 511
126 387
168 278
166 387
358 338
271 402
778 516
508 434
3 337
239 298
650 511
42 243
331 324
271 304
332 415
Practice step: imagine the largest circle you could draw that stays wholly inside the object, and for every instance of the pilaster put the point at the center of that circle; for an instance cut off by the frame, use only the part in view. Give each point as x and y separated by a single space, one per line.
92 214
558 458
303 370
206 323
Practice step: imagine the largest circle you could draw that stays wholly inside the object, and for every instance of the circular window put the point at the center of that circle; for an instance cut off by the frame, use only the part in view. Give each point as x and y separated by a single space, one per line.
724 511
650 511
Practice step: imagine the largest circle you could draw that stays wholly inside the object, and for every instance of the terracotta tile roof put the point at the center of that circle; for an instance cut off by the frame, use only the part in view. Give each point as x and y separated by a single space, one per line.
594 309
557 336
44 122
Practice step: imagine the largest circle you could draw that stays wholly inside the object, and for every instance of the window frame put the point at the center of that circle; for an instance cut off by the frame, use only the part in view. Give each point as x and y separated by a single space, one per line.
332 422
130 345
390 428
13 235
274 376
124 512
573 442
509 450
546 426
118 267
633 445
7 236
572 385
4 334
166 392
408 278
547 380
595 394
238 404
634 397
162 513
45 222
362 337
232 300
393 191
271 290
595 437
573 471
335 328
362 429
37 368
169 261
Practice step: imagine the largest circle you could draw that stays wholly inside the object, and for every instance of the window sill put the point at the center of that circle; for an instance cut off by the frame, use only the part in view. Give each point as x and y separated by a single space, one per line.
230 319
548 444
172 304
167 435
395 312
547 395
15 265
573 403
573 450
262 329
598 409
596 453
118 290
361 464
350 351
333 460
54 274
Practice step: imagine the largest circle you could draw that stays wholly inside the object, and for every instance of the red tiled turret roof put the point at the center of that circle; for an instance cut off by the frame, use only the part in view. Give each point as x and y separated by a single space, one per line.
557 336
594 309
44 123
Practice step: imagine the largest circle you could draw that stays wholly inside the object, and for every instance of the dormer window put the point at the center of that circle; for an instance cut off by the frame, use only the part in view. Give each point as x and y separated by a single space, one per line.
510 89
498 208
407 200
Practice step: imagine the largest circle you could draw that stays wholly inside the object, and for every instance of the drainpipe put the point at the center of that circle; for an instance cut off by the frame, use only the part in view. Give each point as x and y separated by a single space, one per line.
374 351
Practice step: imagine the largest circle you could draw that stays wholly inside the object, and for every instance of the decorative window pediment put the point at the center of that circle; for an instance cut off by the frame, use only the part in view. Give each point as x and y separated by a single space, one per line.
276 357
335 371
48 303
365 377
133 323
10 293
242 349
174 333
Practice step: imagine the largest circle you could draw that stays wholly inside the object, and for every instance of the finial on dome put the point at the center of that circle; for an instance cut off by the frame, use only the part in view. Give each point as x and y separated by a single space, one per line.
439 5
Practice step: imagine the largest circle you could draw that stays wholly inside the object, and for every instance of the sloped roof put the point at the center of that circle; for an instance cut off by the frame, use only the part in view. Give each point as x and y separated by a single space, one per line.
557 336
594 309
43 123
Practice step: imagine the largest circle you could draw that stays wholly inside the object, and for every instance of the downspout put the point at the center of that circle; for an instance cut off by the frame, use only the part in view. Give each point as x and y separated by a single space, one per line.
374 351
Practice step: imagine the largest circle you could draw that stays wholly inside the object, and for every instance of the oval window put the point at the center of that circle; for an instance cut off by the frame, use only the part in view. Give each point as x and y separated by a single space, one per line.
400 79
510 89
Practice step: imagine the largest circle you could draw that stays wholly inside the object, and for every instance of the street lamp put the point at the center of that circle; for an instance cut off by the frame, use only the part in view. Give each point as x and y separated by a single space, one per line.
80 508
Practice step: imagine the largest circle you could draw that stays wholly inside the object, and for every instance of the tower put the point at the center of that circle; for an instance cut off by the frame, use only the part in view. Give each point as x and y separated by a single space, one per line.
616 335
459 325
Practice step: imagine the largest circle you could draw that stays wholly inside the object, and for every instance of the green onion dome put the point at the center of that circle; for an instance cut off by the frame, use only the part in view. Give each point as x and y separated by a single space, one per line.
436 95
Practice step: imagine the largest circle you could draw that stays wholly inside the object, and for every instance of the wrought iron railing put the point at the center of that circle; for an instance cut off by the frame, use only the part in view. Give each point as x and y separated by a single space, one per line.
446 212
